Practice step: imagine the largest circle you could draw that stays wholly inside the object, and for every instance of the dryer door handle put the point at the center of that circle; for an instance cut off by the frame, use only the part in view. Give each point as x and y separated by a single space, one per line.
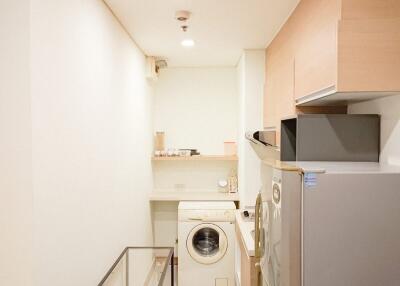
195 218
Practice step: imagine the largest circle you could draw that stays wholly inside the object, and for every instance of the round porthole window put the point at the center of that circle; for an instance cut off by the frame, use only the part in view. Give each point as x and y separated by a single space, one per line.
206 243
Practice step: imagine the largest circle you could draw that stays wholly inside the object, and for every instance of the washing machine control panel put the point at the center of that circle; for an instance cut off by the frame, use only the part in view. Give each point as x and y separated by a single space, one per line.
207 215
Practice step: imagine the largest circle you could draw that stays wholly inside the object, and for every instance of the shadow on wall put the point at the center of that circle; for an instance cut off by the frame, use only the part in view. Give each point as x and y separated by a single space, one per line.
389 109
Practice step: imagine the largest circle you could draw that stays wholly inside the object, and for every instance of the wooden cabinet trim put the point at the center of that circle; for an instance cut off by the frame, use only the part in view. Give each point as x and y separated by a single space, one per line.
247 263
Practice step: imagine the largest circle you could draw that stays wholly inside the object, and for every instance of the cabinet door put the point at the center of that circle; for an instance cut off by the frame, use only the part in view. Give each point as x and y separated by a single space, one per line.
369 55
285 94
316 52
370 9
269 95
316 63
279 97
248 275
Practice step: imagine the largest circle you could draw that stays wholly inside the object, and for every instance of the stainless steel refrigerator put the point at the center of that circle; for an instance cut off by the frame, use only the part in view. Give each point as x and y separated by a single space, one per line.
329 224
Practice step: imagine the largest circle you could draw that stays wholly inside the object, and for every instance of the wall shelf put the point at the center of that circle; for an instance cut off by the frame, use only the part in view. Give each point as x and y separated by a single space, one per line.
197 158
192 196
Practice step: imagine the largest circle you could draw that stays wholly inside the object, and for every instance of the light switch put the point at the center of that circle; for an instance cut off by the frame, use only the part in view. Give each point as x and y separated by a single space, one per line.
221 282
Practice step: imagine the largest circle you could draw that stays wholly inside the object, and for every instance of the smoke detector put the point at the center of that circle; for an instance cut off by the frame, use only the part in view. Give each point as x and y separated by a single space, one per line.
182 15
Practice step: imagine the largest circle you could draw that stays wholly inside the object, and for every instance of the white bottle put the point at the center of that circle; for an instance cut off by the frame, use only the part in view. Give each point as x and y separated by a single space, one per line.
233 182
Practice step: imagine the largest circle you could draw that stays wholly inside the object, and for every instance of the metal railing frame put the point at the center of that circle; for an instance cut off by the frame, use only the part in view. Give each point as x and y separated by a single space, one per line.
170 258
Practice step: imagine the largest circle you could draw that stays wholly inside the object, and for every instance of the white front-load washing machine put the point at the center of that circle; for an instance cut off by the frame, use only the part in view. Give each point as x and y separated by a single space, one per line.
206 243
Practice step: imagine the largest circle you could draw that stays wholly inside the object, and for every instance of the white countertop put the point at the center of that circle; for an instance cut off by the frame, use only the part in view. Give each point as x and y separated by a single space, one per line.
245 228
193 196
334 167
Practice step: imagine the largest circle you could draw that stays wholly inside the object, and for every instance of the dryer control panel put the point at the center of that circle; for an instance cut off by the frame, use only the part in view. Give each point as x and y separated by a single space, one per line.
207 215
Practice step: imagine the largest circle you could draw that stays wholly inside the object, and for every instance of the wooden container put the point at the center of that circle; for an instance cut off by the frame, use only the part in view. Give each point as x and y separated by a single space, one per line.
230 148
159 141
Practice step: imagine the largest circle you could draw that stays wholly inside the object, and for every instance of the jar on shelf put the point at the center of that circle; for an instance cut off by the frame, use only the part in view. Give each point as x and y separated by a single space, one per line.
159 141
230 148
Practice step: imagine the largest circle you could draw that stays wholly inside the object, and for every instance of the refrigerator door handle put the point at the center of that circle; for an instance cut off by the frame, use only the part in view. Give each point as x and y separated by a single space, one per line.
258 226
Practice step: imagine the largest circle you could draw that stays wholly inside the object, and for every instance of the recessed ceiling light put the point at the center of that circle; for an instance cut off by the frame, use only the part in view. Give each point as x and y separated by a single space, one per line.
187 43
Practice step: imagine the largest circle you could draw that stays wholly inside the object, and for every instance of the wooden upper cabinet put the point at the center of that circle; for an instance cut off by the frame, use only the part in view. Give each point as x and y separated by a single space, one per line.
270 93
370 9
279 100
352 52
315 54
332 52
279 79
368 44
315 62
369 55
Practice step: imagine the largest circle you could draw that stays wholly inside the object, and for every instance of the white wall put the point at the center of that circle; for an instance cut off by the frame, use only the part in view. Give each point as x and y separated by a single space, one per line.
389 109
197 108
165 219
15 146
250 78
92 141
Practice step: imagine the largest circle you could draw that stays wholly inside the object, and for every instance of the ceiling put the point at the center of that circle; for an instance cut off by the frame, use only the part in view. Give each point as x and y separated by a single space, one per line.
221 29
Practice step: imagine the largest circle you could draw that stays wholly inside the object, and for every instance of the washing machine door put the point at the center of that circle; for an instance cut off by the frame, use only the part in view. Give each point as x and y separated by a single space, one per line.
207 243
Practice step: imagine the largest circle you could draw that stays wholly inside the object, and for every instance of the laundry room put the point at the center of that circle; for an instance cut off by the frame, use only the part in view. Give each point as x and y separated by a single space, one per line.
199 142
188 103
